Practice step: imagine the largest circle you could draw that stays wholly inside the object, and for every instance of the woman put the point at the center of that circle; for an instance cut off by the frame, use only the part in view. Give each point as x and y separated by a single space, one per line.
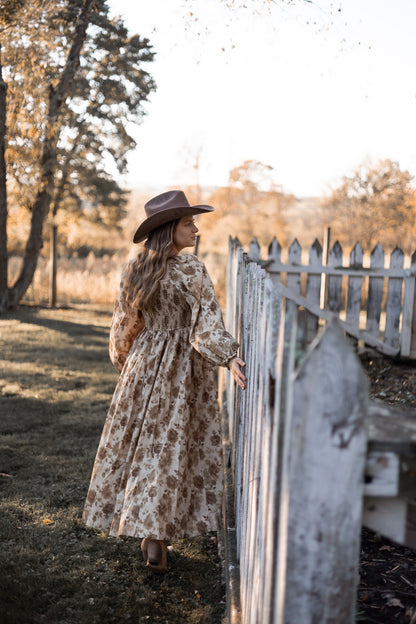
157 472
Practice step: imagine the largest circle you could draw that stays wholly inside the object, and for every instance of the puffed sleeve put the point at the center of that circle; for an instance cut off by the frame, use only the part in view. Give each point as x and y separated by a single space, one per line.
208 334
126 324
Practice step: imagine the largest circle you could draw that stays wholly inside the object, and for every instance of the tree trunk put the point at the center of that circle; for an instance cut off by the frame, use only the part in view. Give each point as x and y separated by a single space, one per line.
3 193
53 266
49 160
53 291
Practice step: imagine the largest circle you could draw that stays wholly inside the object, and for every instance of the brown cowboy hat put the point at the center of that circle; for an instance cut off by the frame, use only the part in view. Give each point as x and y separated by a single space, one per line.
164 208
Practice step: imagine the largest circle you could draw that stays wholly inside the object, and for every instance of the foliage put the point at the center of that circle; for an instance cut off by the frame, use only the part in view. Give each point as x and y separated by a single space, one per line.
250 203
65 134
105 98
375 203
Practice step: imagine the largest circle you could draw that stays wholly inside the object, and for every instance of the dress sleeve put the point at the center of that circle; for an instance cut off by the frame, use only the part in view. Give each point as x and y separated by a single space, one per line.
126 324
208 334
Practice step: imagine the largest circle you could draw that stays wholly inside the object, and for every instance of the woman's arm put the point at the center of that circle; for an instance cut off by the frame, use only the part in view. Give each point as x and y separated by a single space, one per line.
127 323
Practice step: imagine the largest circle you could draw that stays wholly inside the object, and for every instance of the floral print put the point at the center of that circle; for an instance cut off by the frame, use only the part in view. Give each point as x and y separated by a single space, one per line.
157 472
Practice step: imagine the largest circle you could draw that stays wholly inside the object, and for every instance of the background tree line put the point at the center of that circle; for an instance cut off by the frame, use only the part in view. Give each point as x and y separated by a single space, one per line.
374 203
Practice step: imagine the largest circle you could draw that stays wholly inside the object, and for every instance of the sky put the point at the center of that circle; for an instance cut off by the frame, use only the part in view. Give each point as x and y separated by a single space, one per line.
312 89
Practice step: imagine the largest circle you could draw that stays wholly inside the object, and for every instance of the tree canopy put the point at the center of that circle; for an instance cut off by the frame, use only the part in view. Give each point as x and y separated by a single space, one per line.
250 203
106 97
375 203
69 111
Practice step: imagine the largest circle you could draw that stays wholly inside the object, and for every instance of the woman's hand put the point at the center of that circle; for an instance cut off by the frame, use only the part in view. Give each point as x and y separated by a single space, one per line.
234 366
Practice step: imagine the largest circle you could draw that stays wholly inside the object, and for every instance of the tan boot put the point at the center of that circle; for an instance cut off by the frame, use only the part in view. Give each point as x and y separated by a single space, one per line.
144 547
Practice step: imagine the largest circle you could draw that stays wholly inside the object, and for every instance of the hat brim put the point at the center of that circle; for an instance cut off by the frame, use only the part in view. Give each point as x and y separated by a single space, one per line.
164 216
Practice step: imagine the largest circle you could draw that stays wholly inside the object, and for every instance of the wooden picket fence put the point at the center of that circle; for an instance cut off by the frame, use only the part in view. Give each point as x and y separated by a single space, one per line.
303 455
355 293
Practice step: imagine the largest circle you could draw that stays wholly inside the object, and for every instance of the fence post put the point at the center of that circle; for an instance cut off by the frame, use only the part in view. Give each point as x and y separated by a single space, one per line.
322 486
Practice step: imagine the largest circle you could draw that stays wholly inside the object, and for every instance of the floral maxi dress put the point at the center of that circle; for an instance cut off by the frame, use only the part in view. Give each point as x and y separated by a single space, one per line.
157 472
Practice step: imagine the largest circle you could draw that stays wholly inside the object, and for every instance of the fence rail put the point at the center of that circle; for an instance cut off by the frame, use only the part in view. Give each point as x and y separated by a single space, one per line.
302 460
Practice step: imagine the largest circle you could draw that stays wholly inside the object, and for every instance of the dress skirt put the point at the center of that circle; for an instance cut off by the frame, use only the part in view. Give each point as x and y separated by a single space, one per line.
158 468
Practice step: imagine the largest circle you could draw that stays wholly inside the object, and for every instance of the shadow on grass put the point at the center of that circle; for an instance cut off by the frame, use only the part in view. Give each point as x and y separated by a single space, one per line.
62 356
31 316
53 420
53 569
64 572
47 450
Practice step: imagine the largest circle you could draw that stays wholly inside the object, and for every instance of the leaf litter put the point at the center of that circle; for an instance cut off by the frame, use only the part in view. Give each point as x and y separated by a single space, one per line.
387 589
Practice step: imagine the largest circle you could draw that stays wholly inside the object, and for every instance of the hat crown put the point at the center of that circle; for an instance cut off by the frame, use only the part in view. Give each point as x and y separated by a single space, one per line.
166 201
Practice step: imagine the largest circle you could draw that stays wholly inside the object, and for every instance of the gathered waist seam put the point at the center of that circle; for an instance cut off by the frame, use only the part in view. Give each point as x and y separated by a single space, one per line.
166 329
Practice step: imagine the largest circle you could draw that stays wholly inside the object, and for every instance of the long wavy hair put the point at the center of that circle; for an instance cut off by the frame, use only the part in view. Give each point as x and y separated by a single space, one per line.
144 274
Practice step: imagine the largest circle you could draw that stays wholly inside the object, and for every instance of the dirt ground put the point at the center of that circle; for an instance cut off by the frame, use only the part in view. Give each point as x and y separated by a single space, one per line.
387 591
56 383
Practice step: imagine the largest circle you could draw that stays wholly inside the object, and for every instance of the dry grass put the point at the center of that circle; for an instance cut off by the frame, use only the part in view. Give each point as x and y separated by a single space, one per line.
55 386
79 280
95 280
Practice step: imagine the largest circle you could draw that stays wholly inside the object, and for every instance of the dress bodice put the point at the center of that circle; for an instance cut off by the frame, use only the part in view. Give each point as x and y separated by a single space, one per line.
171 310
186 303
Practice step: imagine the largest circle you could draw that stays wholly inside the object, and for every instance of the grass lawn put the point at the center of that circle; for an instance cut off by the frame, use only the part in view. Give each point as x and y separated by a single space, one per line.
56 384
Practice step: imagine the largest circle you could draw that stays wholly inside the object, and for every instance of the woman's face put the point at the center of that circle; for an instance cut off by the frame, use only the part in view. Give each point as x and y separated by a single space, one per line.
185 233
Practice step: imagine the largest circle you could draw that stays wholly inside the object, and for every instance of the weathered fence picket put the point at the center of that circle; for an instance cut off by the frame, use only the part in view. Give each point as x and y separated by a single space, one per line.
375 292
354 287
299 469
335 281
313 289
274 254
394 299
408 330
295 254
